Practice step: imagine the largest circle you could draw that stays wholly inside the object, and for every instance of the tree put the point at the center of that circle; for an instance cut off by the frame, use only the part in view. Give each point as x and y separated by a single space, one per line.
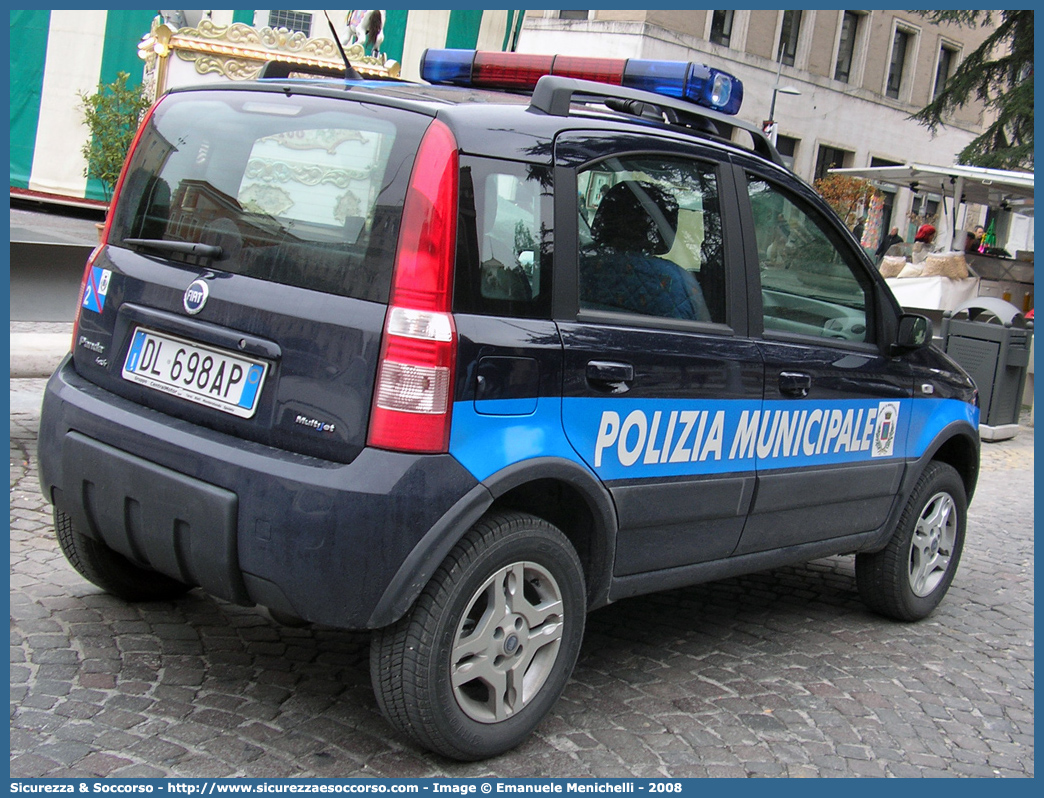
1000 74
848 196
112 114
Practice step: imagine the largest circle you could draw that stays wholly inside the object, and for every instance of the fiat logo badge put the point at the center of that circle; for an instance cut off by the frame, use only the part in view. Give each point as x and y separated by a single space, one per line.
195 297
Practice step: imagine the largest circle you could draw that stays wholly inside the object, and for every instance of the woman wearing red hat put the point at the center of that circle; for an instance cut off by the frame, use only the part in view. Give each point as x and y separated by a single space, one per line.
922 243
925 233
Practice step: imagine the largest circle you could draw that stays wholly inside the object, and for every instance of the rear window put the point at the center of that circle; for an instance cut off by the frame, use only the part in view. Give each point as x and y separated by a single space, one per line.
300 190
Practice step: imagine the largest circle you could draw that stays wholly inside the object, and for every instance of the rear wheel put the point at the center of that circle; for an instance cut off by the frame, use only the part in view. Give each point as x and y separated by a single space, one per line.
110 571
909 577
487 649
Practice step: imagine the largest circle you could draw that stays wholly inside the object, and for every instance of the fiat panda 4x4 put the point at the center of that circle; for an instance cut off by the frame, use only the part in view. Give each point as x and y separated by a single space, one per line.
461 361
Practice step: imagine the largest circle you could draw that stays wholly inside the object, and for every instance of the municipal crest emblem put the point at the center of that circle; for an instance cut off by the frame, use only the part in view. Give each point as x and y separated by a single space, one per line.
885 429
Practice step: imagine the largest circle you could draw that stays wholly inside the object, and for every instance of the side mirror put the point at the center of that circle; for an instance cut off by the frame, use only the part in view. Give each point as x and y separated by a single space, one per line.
915 331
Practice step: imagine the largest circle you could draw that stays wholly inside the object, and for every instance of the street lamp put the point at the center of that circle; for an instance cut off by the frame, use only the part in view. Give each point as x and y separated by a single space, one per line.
770 127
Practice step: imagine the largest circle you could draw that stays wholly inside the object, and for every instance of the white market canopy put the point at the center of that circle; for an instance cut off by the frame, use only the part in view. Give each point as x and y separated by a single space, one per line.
998 188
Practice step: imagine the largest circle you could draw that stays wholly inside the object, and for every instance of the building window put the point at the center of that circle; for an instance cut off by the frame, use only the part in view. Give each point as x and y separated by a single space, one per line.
846 46
291 20
573 13
830 158
787 149
947 58
900 44
788 37
721 27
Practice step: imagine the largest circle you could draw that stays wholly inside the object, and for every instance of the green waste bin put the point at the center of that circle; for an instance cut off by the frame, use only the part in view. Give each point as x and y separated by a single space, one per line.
990 339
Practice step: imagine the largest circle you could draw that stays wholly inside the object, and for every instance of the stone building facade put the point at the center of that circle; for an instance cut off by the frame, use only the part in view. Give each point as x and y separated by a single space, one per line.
860 74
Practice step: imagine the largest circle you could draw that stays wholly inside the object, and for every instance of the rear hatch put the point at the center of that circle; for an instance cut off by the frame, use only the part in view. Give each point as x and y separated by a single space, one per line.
248 263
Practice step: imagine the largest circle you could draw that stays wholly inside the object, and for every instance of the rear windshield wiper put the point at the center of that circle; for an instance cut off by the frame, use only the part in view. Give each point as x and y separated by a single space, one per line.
177 247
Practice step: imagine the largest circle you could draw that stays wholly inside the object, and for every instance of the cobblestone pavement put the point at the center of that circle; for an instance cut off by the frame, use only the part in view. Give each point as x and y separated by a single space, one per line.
779 674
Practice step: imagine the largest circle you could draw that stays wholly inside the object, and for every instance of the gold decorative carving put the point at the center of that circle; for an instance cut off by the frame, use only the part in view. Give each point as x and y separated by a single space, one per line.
231 68
347 205
154 49
307 174
239 51
319 139
266 199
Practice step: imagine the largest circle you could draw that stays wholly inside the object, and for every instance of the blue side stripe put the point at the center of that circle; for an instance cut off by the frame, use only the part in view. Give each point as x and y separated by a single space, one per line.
932 415
484 444
650 438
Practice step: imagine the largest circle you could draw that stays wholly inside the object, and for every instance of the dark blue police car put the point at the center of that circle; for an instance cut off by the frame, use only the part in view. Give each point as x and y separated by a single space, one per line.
460 362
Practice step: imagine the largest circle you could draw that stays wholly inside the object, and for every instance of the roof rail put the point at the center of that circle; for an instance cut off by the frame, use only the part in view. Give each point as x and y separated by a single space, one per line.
554 95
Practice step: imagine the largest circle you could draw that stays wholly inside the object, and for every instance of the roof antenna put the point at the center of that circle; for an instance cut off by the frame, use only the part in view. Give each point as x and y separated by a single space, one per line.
349 70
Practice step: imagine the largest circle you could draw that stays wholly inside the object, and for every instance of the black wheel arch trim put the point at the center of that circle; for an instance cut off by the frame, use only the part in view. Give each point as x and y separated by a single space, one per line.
435 546
419 566
969 472
599 502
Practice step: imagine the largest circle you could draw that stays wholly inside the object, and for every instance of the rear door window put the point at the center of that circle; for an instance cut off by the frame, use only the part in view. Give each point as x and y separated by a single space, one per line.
300 190
650 237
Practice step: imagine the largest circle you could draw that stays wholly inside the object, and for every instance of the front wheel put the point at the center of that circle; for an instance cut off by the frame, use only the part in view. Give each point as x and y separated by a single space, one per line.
487 649
909 577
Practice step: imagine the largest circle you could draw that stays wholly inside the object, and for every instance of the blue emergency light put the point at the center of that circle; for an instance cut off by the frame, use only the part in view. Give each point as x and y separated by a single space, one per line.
683 80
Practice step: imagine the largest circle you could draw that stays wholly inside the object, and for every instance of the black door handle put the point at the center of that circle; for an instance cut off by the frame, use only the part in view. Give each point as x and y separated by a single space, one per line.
795 383
605 375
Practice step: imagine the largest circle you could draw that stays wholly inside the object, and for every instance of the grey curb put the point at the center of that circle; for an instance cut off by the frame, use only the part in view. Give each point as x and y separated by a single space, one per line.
37 354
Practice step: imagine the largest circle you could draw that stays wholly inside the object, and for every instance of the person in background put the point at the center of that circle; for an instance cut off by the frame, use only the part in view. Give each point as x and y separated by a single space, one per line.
973 240
774 254
922 243
888 242
857 231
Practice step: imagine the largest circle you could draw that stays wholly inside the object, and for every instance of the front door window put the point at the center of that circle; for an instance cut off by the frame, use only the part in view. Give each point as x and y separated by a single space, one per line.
808 284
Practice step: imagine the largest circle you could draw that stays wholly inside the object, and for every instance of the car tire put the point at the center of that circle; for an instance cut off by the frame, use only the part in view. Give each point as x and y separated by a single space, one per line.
909 577
110 571
489 645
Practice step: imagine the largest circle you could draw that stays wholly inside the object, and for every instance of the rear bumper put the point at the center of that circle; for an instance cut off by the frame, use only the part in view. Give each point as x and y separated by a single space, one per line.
248 523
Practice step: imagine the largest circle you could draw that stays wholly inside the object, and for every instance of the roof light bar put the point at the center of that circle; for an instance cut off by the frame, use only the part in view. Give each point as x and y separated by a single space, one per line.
684 80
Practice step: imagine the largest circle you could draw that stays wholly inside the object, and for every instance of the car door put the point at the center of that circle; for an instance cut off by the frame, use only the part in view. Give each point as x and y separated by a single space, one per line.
830 440
657 364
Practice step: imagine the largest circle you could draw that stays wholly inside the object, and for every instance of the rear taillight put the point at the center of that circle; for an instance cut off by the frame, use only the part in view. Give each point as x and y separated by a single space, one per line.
104 238
413 397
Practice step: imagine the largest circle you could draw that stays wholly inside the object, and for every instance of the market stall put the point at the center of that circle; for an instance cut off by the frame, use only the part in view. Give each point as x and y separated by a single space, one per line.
933 293
994 271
